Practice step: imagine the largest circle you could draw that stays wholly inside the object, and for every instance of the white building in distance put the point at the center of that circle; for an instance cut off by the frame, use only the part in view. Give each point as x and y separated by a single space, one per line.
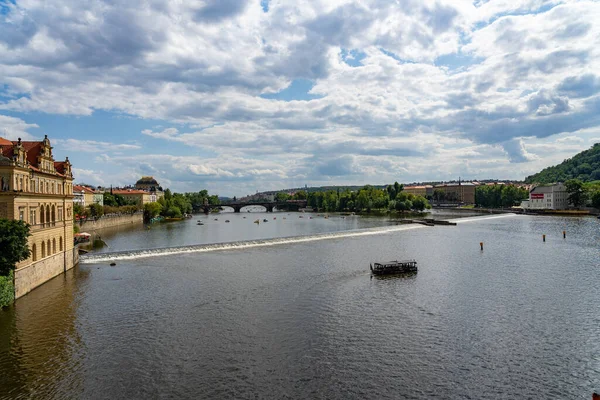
547 197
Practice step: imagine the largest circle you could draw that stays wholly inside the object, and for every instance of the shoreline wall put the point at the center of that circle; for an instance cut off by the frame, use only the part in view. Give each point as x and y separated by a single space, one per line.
108 221
40 272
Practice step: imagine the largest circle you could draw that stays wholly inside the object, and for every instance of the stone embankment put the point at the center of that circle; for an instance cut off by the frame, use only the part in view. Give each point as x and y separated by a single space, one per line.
108 221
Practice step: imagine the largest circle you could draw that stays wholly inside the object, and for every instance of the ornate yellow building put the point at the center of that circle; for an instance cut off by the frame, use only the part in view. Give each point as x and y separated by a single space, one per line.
38 190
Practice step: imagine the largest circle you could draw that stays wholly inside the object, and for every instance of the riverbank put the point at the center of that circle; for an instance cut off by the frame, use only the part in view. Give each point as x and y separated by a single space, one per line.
110 221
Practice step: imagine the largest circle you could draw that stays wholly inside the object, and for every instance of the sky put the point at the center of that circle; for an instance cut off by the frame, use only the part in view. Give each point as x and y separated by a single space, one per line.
235 96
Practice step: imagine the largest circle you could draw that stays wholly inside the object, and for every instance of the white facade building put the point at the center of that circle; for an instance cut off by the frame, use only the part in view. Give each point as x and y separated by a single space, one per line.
547 197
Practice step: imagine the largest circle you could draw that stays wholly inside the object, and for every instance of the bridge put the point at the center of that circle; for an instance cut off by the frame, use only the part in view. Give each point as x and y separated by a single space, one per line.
290 205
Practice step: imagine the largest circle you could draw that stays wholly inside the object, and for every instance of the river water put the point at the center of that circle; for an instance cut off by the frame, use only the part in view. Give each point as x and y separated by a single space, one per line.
262 317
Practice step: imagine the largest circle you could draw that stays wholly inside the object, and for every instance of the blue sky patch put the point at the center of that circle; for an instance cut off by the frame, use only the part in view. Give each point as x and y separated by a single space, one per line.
353 57
265 5
456 62
5 6
297 90
396 57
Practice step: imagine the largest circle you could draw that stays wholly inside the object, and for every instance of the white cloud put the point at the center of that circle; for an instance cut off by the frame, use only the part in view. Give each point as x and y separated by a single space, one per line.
452 86
12 128
92 146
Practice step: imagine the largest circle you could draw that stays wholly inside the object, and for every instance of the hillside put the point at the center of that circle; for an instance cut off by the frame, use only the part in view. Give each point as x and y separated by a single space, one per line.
584 166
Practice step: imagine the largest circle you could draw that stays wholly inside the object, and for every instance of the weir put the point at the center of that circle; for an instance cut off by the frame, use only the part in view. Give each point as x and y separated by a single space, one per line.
200 248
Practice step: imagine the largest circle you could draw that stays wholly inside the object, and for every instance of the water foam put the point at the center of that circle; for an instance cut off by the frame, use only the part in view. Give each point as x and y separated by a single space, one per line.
201 248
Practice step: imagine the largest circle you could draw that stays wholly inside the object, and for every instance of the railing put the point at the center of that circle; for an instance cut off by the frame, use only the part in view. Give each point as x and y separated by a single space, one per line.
47 225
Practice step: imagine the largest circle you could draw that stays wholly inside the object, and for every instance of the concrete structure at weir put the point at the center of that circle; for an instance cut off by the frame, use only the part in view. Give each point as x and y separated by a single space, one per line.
38 190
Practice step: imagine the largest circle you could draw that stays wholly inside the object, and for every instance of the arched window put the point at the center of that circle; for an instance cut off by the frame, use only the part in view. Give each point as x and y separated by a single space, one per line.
42 219
60 244
49 248
33 252
48 217
53 214
43 249
54 246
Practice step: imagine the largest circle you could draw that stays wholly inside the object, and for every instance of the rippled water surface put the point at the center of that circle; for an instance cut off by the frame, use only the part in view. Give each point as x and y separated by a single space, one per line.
304 319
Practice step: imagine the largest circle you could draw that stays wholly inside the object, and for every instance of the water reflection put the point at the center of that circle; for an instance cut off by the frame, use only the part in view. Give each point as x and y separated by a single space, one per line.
40 346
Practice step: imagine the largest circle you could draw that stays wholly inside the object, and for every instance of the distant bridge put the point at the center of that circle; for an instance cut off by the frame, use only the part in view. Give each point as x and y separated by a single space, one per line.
290 205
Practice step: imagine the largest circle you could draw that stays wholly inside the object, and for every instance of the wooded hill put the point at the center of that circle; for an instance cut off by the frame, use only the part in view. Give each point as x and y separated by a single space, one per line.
584 166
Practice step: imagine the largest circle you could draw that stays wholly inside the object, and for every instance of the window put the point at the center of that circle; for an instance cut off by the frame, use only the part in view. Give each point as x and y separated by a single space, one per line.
43 249
60 213
32 217
22 213
34 252
53 246
48 247
60 248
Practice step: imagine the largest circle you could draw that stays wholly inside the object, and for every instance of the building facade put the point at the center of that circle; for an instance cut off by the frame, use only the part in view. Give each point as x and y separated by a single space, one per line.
462 192
424 191
547 197
140 197
38 190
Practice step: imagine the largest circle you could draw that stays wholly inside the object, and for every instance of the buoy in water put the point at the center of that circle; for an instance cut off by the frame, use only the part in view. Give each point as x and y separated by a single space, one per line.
112 264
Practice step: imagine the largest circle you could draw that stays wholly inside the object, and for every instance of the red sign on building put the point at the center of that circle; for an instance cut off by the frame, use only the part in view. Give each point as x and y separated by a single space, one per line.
537 196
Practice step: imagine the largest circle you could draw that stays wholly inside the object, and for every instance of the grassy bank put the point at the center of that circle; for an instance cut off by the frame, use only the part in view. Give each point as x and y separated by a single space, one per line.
7 290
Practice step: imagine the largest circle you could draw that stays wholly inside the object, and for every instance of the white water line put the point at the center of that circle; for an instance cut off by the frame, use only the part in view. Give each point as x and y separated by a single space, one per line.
201 248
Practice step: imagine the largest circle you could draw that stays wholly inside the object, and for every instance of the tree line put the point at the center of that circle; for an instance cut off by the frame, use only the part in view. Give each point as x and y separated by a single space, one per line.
367 198
175 205
499 196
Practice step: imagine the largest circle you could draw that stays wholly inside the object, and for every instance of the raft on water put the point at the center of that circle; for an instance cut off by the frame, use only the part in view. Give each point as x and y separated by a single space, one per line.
394 267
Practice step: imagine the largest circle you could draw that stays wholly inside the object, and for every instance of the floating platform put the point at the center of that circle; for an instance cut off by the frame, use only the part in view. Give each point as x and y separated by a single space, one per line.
394 267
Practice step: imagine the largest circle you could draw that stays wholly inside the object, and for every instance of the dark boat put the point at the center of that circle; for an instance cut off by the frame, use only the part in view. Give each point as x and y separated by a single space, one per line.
394 267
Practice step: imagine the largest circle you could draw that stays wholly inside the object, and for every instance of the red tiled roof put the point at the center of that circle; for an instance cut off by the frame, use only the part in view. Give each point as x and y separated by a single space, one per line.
128 191
33 150
79 188
7 150
59 166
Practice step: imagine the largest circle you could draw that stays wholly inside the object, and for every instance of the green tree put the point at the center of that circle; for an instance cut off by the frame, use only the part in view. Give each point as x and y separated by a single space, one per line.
577 193
596 199
282 196
300 195
96 210
152 210
13 244
173 212
109 200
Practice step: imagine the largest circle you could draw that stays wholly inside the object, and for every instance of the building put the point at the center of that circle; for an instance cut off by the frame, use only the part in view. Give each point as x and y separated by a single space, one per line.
461 192
425 190
547 197
140 197
78 195
38 190
149 184
98 197
86 196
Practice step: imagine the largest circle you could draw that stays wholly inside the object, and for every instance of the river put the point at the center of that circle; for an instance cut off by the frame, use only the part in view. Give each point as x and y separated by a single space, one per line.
288 309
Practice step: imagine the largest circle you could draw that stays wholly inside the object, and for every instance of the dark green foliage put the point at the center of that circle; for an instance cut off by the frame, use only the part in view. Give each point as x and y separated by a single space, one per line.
13 244
584 166
96 210
199 199
7 290
577 192
596 199
366 198
495 196
151 210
